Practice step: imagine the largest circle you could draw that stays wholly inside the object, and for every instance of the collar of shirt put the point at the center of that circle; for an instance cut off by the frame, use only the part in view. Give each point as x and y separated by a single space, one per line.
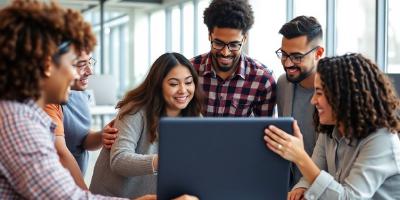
43 118
240 71
349 141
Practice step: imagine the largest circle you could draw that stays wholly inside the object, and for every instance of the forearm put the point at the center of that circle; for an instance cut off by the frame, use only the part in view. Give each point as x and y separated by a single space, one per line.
93 141
68 161
307 167
132 164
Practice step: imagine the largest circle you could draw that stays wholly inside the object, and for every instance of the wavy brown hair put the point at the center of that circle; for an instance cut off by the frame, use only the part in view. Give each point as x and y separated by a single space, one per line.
148 95
31 33
361 95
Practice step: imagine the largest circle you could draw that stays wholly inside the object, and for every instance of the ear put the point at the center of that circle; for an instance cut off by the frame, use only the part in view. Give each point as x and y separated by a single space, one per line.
319 53
245 38
48 67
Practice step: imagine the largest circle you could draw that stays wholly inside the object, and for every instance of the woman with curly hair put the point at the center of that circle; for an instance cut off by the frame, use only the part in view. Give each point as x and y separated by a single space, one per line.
357 155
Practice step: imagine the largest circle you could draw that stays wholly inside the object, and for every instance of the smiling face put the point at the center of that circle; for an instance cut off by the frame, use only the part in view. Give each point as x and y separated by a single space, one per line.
178 89
297 72
225 60
84 70
61 75
320 101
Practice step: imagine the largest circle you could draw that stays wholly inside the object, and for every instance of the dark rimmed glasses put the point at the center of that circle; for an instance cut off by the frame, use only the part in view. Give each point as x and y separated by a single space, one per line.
296 58
232 46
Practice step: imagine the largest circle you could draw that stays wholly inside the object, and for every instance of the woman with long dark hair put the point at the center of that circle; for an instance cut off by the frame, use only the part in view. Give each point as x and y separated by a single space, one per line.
170 89
357 155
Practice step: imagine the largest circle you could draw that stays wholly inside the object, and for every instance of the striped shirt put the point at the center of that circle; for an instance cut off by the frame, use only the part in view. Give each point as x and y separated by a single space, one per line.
29 165
250 91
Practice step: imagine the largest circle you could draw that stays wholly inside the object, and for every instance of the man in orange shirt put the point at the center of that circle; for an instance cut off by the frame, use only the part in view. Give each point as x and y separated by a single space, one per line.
73 119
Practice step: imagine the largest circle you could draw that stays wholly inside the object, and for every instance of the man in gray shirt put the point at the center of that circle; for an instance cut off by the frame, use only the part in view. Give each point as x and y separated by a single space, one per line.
300 52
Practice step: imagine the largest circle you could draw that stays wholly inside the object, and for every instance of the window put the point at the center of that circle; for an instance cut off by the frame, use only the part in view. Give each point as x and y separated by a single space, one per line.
317 10
356 27
264 38
203 42
157 35
394 37
188 27
176 29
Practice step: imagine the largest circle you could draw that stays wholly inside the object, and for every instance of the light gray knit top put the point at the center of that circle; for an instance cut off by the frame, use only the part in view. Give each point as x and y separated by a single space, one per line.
126 170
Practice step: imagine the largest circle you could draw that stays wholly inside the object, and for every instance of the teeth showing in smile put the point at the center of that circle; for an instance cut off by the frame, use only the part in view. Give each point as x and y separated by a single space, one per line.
181 99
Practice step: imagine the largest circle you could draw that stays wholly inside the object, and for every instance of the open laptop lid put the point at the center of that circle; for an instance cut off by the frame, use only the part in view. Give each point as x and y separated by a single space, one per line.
220 158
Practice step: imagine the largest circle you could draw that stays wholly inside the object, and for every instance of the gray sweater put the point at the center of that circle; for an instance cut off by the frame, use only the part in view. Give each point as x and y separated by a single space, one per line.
126 170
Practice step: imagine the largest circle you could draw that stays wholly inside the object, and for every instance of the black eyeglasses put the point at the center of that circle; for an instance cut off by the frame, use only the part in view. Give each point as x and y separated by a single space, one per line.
296 58
232 46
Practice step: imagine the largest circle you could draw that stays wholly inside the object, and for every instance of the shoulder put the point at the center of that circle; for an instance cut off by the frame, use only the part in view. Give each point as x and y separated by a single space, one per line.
381 138
53 108
259 71
134 116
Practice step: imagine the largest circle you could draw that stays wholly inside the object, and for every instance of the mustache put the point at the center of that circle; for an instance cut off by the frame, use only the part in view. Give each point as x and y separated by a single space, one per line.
292 67
222 56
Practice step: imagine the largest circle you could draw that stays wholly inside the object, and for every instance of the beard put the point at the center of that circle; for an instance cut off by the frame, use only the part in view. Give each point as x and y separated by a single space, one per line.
225 68
303 74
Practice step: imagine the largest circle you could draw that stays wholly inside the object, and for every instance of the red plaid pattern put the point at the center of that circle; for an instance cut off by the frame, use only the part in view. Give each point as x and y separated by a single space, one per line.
251 91
29 164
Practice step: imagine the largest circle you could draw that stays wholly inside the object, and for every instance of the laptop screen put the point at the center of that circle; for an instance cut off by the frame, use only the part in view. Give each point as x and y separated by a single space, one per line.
220 158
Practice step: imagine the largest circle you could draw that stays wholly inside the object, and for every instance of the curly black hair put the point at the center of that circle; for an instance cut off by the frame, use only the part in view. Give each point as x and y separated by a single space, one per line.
31 33
361 95
236 14
302 25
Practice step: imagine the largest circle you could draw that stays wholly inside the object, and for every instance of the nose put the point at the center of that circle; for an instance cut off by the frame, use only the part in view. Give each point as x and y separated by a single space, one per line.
287 62
182 88
88 70
225 51
313 100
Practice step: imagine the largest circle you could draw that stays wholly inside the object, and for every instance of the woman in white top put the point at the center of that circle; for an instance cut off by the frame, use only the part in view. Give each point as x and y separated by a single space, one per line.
357 155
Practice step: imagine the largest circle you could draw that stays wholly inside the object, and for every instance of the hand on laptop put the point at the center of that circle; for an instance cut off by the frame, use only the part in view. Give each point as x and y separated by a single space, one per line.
186 197
296 194
289 147
154 197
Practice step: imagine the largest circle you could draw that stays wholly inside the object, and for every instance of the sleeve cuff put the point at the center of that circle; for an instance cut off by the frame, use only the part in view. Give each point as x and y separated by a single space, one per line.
301 184
318 186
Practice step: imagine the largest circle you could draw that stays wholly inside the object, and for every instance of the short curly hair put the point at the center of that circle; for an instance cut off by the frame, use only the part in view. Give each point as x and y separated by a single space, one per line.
31 32
236 14
362 97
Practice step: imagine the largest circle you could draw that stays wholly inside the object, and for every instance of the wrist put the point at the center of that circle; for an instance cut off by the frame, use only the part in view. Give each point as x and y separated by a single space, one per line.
154 165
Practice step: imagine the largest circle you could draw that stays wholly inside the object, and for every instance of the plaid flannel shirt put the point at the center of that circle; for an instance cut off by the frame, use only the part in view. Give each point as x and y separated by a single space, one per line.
250 91
30 167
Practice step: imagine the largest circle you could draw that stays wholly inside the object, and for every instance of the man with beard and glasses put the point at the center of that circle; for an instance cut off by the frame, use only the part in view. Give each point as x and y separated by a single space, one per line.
300 52
234 84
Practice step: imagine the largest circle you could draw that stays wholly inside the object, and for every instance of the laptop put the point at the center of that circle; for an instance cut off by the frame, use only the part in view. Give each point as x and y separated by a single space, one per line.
220 158
396 82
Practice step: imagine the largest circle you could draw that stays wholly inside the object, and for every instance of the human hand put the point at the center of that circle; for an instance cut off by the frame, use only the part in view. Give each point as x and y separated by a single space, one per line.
109 134
296 194
147 197
186 197
289 147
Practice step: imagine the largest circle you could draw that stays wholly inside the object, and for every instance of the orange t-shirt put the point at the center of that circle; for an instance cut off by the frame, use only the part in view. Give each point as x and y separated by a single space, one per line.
56 114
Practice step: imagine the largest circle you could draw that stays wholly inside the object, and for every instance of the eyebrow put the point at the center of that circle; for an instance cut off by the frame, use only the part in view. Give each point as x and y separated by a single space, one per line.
175 79
293 53
217 40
